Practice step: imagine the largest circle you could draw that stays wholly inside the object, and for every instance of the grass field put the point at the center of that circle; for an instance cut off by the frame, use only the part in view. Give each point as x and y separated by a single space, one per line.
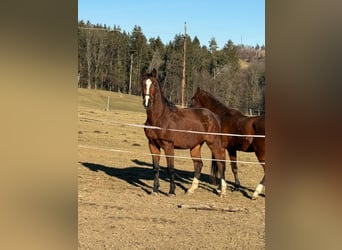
97 99
115 208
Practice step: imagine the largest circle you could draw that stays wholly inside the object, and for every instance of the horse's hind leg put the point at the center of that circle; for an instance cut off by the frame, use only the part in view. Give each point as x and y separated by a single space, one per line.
220 155
259 188
155 151
198 164
233 164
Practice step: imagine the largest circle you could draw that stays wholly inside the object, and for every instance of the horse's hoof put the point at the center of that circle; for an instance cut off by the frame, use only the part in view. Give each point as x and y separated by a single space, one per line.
154 193
190 192
236 189
254 197
221 191
257 191
222 195
172 195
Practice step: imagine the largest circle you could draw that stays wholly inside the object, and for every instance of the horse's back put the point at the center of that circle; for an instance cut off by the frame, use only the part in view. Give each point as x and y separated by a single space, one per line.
242 125
209 121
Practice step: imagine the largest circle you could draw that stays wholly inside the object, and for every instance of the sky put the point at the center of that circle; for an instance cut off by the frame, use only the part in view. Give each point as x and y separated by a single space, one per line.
242 21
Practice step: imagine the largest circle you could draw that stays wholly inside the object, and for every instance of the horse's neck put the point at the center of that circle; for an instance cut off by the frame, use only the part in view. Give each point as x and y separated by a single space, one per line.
159 108
233 112
218 107
221 109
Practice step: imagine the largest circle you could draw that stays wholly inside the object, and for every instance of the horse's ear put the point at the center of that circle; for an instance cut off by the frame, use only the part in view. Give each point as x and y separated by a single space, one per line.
154 73
144 72
198 89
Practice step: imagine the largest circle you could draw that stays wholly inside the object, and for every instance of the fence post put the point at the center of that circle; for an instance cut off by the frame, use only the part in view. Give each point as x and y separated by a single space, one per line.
107 104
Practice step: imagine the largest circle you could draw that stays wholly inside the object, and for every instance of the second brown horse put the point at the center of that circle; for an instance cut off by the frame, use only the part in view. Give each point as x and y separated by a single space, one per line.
234 122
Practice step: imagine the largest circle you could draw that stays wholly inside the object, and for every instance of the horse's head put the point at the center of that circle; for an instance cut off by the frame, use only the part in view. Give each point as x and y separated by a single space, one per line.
149 85
196 99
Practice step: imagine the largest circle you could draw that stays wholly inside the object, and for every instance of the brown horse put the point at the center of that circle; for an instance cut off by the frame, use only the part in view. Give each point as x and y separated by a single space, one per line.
169 120
234 122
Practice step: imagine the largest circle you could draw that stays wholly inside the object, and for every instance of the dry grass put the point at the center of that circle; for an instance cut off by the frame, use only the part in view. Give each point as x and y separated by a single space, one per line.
115 208
97 99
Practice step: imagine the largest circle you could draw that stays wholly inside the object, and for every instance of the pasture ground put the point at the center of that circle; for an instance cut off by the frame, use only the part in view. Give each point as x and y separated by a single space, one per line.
115 208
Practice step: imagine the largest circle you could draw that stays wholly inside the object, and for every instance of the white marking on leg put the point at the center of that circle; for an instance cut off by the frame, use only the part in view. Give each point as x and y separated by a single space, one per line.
258 191
147 95
194 185
223 186
195 181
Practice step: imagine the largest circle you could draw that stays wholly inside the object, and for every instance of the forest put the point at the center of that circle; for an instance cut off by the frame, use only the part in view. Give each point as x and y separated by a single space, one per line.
112 59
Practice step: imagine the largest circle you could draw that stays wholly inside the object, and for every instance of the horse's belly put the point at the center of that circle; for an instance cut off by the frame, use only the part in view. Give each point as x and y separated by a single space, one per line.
179 147
241 143
180 140
185 141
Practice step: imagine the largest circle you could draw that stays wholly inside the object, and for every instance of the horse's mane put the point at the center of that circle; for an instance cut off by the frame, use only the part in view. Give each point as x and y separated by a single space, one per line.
168 103
223 108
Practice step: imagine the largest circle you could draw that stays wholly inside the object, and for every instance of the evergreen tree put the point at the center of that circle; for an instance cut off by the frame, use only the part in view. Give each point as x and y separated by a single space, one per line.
137 48
229 56
104 61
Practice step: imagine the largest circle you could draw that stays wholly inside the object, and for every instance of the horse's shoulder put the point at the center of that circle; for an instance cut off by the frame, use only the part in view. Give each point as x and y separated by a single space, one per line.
176 110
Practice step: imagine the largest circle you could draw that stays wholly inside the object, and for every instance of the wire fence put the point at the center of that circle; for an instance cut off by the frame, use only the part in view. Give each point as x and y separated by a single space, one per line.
174 130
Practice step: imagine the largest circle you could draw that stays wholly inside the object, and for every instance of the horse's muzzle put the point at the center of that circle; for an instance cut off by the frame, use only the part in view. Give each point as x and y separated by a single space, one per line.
148 106
147 102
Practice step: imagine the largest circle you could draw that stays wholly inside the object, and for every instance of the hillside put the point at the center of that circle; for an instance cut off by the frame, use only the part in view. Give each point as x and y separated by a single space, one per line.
97 99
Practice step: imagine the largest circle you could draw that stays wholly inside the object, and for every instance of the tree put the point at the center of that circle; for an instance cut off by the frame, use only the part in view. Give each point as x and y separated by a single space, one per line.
99 57
137 48
198 61
104 61
213 47
89 56
81 54
214 57
156 53
173 69
117 59
229 56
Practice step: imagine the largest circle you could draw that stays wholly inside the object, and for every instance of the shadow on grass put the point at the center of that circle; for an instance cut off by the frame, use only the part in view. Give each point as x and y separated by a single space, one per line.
138 175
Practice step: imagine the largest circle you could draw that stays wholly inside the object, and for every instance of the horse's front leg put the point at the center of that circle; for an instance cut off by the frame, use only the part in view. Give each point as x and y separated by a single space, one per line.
155 151
169 153
195 153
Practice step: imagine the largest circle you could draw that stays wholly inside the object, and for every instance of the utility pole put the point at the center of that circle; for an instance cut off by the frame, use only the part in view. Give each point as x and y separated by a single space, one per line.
184 64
